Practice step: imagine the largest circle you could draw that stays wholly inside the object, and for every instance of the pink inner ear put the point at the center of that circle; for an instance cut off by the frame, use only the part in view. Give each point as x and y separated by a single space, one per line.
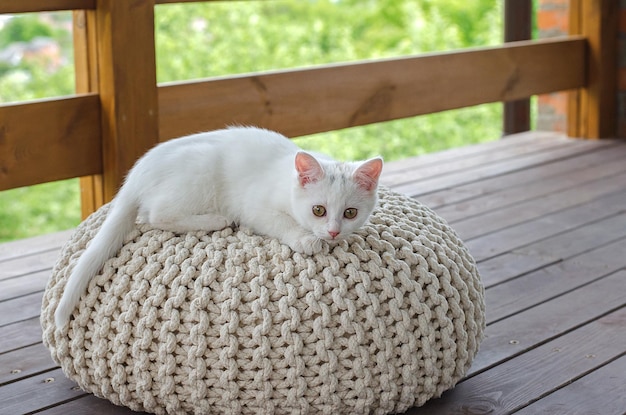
308 168
368 173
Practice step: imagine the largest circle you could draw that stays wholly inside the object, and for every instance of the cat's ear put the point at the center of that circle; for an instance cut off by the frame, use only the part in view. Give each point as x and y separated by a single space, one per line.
308 168
367 174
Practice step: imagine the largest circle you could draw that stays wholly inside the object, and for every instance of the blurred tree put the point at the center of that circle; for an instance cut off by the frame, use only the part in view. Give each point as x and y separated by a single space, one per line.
24 29
210 39
27 73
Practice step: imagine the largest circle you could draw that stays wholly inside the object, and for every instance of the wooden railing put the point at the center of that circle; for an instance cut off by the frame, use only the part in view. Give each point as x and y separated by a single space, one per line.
119 111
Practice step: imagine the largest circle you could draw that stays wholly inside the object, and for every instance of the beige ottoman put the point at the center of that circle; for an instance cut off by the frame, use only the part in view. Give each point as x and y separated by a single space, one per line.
230 322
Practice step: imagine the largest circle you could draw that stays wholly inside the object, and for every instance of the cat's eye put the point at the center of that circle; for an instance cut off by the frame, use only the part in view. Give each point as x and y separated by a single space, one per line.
319 211
350 213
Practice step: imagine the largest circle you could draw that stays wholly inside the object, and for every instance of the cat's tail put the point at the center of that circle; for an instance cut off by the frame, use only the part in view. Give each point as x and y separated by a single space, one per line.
109 239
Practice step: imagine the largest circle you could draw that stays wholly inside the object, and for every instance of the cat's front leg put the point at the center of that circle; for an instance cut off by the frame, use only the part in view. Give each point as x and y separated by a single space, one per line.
303 242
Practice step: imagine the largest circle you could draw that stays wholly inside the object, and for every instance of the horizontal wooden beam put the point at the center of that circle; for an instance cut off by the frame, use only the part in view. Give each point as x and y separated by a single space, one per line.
29 6
299 102
49 140
55 139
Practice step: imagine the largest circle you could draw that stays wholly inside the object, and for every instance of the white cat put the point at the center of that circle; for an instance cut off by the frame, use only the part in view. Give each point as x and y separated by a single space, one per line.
256 178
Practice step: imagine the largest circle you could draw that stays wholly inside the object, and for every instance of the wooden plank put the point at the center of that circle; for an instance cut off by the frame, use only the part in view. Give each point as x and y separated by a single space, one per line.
36 244
127 85
456 153
521 293
24 285
511 265
581 239
533 190
526 378
49 140
526 330
25 362
421 187
306 101
17 335
594 157
89 404
423 170
601 391
512 237
21 308
553 249
42 261
524 211
28 6
37 392
593 112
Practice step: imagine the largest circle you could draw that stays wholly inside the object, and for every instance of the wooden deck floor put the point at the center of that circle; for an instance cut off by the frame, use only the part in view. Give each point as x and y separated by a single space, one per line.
544 216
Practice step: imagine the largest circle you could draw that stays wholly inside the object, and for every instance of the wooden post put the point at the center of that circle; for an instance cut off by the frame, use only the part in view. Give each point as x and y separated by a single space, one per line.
517 26
86 69
116 58
592 110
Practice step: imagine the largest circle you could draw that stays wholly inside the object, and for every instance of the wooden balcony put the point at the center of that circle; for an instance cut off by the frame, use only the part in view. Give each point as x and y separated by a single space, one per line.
544 215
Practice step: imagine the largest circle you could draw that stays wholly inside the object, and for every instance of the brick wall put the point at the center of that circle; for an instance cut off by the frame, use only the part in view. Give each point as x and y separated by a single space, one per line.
552 21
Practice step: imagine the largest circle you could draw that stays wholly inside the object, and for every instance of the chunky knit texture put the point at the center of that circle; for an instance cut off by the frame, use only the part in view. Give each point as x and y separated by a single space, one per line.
230 322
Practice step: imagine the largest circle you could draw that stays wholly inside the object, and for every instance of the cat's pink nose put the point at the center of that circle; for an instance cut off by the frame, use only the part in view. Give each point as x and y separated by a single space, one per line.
333 234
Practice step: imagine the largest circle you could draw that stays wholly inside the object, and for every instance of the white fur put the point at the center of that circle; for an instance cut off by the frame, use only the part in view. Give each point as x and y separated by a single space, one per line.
252 177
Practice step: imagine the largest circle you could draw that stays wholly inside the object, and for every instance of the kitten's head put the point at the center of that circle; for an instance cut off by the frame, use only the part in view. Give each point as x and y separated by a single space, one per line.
333 199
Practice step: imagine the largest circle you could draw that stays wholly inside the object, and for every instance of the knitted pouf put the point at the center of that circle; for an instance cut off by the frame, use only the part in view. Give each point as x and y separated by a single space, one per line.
230 322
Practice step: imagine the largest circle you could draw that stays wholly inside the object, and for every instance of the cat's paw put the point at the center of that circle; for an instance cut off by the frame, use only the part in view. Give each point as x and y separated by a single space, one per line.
208 222
307 244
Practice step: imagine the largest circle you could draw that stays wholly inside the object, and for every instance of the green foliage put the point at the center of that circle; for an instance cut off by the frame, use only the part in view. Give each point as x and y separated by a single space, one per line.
35 210
33 78
210 39
24 29
199 40
29 81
